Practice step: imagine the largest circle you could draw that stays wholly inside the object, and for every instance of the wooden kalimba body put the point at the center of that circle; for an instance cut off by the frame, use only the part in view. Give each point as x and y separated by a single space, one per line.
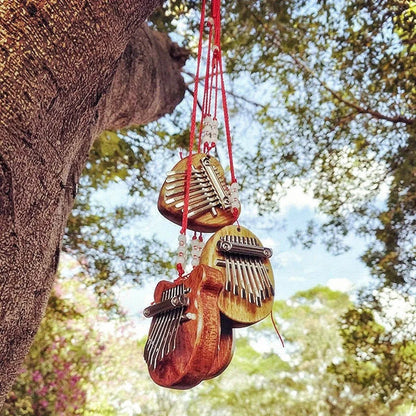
209 195
248 293
188 340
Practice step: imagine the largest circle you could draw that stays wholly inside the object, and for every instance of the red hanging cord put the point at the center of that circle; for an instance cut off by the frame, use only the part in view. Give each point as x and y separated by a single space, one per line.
226 120
211 83
193 124
216 15
206 101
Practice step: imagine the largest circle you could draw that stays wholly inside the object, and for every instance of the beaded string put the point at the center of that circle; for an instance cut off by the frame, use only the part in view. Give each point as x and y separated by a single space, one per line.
180 264
208 130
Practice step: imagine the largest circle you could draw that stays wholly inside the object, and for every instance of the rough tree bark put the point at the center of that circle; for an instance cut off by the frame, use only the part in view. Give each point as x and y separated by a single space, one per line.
68 70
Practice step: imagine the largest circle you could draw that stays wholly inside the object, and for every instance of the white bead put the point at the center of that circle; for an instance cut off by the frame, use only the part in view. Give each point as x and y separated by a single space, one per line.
209 130
181 258
234 187
235 204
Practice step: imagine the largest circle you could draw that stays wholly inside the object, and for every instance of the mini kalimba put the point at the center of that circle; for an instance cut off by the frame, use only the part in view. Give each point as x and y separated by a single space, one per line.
188 339
209 195
248 292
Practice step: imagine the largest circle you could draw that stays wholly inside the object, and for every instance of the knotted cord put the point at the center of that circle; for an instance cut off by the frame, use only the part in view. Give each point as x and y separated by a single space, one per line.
213 76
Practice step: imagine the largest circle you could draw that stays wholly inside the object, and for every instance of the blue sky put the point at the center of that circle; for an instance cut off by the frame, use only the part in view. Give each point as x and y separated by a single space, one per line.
295 269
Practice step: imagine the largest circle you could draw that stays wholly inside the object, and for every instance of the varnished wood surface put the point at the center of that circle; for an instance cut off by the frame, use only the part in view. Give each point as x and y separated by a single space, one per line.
225 351
239 310
196 355
206 223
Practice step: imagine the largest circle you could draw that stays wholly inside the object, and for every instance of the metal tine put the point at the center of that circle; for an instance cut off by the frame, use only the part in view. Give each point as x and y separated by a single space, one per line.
200 208
168 329
232 270
179 196
243 278
174 320
178 317
229 278
253 277
239 264
154 334
152 341
180 183
256 272
240 275
195 196
246 277
182 173
156 338
266 288
207 197
179 180
266 277
253 294
231 273
170 343
173 190
228 271
161 331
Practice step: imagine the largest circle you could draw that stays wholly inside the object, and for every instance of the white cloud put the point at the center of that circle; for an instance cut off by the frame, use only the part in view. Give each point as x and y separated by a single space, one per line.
340 284
269 242
285 258
296 197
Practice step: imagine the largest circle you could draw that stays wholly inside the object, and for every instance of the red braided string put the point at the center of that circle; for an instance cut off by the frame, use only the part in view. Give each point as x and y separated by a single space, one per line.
193 123
211 82
216 92
216 15
226 120
206 101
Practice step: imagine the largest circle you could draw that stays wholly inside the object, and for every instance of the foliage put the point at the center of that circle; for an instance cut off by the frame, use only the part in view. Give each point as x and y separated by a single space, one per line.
325 93
379 368
99 231
66 348
312 375
331 90
331 110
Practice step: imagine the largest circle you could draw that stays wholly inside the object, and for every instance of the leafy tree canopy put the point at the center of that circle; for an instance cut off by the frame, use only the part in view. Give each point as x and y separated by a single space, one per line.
330 88
326 90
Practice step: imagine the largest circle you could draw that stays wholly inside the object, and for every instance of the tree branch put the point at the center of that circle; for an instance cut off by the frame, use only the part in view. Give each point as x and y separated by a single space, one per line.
337 95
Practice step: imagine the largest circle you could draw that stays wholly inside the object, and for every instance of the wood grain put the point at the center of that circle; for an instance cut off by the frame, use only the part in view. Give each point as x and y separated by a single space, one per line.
197 353
207 222
239 310
225 351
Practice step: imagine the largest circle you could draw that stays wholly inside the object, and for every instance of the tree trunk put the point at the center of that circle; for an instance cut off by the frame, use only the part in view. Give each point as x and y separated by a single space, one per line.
68 70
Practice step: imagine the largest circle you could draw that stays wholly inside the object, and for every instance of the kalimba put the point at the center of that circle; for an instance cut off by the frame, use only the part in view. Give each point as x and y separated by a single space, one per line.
248 292
209 195
188 340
